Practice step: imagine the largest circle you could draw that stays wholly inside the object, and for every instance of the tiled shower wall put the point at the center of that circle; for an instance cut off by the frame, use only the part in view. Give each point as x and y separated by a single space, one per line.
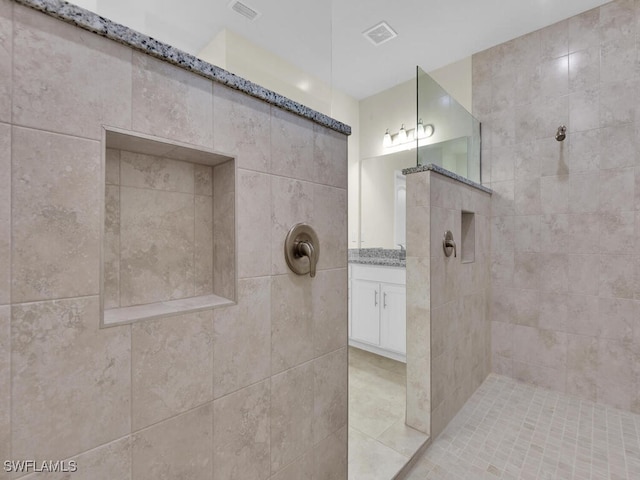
446 296
257 390
566 216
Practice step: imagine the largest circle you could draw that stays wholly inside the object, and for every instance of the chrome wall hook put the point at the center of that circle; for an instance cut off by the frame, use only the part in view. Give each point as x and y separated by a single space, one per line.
561 134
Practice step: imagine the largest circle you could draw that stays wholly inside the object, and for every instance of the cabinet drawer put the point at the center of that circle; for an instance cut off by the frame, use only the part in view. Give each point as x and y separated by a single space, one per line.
375 273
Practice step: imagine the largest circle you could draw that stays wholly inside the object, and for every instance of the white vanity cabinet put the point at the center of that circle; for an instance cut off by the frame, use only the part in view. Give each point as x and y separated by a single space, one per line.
377 309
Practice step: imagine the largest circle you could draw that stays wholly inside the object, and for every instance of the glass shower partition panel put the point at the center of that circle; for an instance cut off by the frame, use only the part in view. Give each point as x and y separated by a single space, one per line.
447 135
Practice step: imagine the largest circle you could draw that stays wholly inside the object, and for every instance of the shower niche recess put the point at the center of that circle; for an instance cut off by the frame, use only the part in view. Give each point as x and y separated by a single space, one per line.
168 240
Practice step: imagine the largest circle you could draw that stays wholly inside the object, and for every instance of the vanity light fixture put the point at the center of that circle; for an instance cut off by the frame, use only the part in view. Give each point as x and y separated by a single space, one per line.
420 129
387 142
402 135
405 136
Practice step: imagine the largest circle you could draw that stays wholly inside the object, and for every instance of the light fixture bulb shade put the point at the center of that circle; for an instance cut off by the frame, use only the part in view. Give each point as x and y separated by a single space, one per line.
386 142
402 134
420 129
428 130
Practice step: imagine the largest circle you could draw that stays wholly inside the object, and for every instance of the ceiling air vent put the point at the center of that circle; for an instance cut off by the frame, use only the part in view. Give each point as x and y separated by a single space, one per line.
244 9
380 33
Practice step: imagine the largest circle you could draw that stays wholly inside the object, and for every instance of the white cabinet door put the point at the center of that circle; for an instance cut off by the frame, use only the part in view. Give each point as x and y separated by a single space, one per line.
365 312
393 324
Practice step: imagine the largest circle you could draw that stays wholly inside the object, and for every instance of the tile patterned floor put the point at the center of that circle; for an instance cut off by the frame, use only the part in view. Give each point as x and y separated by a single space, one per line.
509 430
380 444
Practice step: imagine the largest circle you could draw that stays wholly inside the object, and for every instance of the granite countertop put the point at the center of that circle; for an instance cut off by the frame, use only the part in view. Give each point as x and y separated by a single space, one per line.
443 171
378 256
138 41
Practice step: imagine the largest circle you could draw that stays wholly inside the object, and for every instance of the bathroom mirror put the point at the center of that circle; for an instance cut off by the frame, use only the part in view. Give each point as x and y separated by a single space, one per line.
383 199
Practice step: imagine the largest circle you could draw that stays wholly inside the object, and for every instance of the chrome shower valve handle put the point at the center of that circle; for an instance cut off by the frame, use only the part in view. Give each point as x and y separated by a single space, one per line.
449 245
302 249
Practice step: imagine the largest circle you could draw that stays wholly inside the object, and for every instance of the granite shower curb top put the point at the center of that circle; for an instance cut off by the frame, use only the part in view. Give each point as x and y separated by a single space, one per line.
377 256
138 41
443 171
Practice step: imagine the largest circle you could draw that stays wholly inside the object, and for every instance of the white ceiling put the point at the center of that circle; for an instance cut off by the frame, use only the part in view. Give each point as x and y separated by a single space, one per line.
324 37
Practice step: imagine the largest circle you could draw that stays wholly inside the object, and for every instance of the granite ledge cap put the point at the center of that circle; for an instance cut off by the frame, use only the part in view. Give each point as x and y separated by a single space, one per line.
443 171
104 27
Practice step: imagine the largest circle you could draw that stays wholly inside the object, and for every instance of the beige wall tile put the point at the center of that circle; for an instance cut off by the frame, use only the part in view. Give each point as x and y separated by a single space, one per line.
501 335
241 434
49 369
172 366
330 394
292 202
330 457
203 245
584 109
329 157
526 270
330 314
616 276
503 232
158 173
300 469
582 366
329 219
203 179
242 338
584 70
617 233
5 210
106 462
419 189
555 309
581 193
617 20
291 415
584 30
5 384
56 225
111 247
112 166
617 189
442 379
552 377
419 233
49 56
503 200
541 347
291 321
553 270
224 229
254 225
180 448
6 47
170 102
615 109
616 381
554 40
243 128
292 145
156 246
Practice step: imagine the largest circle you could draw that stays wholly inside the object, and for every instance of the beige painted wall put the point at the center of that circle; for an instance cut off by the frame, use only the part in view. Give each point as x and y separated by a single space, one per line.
165 396
389 110
566 216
